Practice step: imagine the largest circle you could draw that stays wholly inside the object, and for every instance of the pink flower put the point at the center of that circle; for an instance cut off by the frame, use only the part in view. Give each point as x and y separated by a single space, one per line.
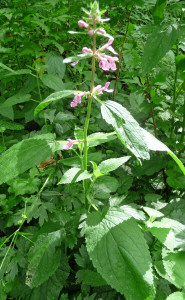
99 89
86 50
102 31
77 98
81 23
105 88
75 63
70 143
107 45
91 32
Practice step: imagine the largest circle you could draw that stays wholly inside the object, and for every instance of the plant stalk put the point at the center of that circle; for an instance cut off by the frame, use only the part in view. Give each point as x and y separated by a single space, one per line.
121 54
88 117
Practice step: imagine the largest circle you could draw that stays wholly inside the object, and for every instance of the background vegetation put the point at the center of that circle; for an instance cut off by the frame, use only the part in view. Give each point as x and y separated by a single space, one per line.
43 250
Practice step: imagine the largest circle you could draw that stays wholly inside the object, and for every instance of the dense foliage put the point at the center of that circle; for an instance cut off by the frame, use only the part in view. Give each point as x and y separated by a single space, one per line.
92 153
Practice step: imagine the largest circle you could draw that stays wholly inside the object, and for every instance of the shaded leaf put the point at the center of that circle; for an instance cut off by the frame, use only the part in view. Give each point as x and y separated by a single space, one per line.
21 156
53 97
120 254
74 175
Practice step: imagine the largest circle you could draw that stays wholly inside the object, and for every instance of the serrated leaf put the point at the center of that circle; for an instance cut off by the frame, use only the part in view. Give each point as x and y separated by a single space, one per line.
155 145
157 45
176 296
55 65
43 259
53 97
52 81
74 175
90 277
75 58
53 286
174 264
120 254
25 155
126 127
112 164
104 186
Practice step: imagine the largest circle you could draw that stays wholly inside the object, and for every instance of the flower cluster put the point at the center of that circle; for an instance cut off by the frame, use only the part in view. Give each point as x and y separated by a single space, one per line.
70 143
106 62
97 90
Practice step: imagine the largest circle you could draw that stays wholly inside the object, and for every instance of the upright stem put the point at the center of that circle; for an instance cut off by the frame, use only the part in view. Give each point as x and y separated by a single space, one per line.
88 116
121 53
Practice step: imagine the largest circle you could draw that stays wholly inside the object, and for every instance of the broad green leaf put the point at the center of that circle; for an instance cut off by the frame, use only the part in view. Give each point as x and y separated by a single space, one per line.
164 235
52 287
75 58
104 186
157 45
99 138
120 254
158 13
90 277
25 155
10 125
112 164
53 97
43 258
74 175
55 65
12 72
176 296
155 145
126 127
18 98
174 264
153 213
52 81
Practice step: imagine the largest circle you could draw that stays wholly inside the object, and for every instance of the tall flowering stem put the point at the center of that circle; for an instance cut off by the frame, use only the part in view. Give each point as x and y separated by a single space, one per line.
89 114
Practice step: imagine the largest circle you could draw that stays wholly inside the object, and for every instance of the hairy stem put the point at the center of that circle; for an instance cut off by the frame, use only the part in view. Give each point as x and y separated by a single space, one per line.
121 54
88 118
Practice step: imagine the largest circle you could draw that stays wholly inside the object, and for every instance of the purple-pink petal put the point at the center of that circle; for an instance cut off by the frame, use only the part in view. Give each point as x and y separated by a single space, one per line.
81 23
75 63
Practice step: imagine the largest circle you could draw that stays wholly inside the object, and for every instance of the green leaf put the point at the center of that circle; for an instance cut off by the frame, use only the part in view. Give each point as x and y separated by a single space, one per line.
53 97
158 13
10 125
18 98
43 258
99 138
104 186
174 264
90 277
155 145
126 127
25 155
157 45
176 296
12 72
74 175
112 164
120 254
55 65
75 58
52 81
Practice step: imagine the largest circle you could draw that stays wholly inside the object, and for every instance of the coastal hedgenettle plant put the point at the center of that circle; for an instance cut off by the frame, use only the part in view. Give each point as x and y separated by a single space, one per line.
122 247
